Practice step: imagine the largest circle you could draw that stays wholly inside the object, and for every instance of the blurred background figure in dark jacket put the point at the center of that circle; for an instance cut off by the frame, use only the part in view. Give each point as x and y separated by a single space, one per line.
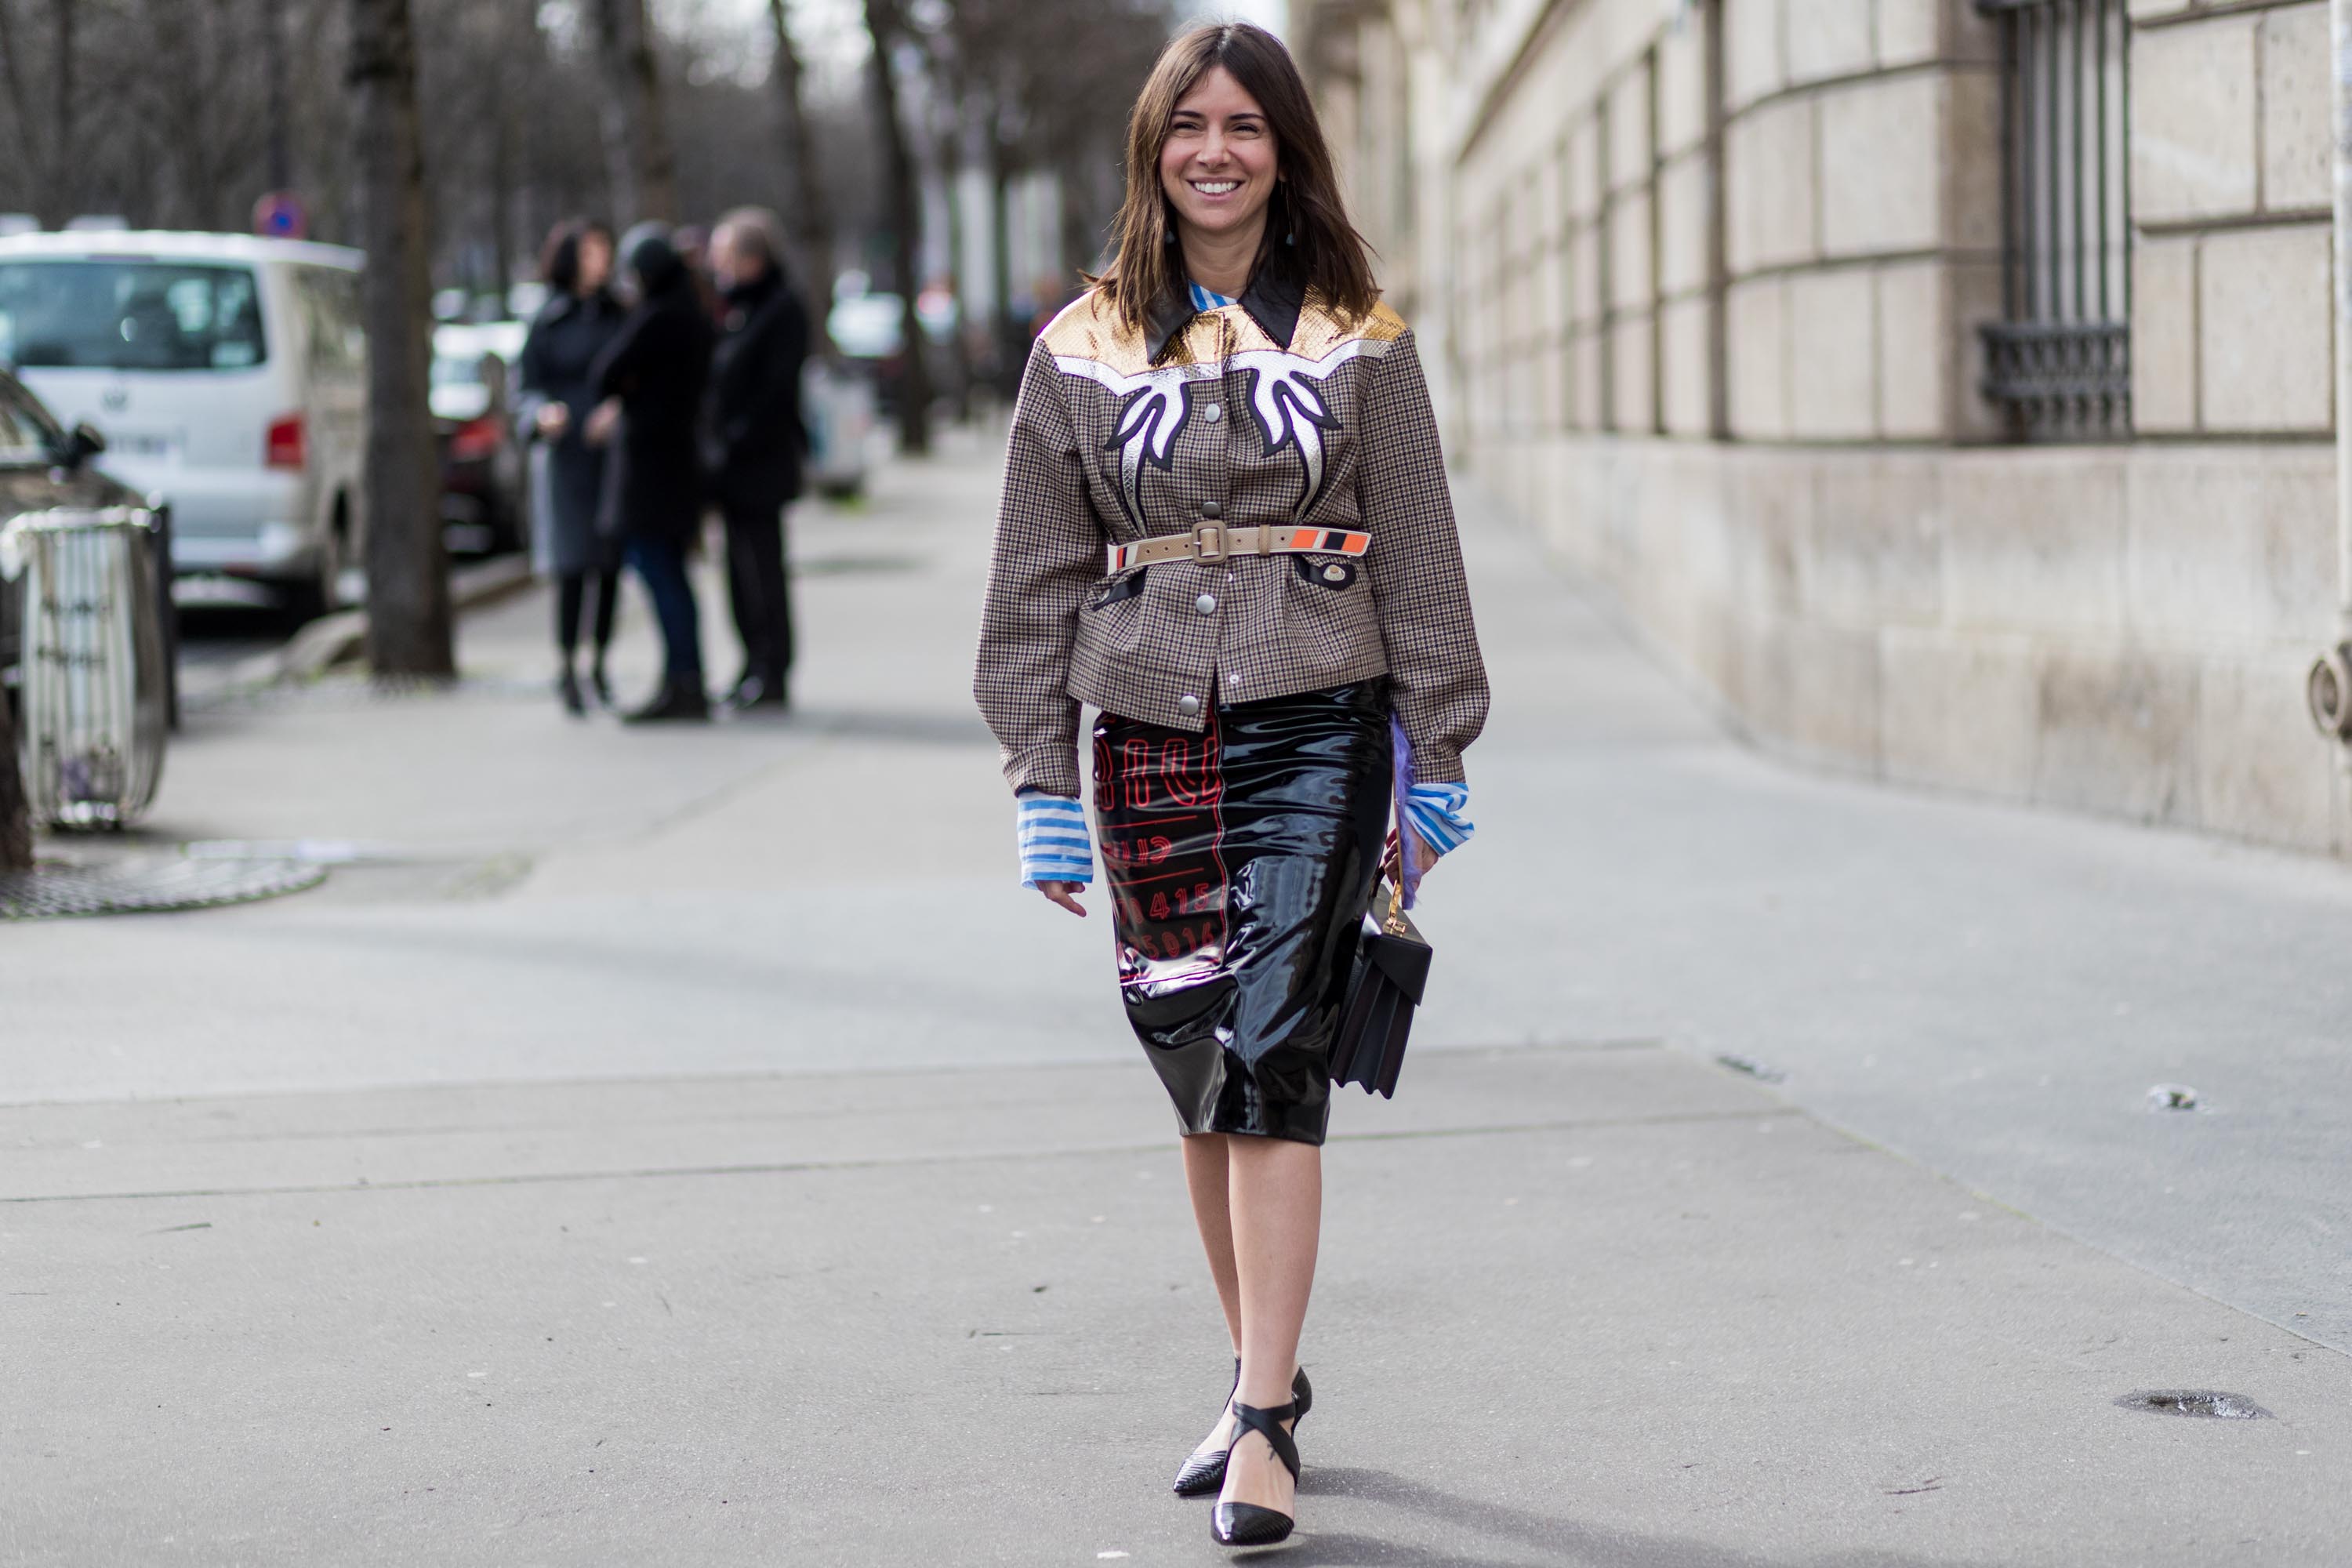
753 440
650 380
692 243
579 321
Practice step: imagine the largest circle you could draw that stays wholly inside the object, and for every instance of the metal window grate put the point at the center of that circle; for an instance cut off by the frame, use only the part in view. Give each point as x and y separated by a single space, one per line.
2059 362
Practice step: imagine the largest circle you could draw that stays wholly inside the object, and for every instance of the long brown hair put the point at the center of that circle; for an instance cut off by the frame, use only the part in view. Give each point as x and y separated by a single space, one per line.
1305 216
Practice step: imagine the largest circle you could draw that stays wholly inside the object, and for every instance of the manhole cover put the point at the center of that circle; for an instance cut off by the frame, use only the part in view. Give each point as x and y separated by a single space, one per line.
148 886
2195 1401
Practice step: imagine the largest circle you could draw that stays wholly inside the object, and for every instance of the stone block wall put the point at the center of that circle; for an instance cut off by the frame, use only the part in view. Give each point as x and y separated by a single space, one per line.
1707 292
1862 239
2232 329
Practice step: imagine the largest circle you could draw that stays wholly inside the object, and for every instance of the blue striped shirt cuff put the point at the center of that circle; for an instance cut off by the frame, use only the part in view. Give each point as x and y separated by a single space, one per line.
1052 834
1435 810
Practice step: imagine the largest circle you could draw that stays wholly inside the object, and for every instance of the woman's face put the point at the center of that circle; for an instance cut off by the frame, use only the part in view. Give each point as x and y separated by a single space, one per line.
1218 162
595 262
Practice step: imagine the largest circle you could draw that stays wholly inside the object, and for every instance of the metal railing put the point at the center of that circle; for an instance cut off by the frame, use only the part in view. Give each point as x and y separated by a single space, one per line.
2059 362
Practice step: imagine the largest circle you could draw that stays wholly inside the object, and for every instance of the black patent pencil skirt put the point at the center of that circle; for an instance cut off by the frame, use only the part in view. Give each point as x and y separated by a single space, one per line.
1240 863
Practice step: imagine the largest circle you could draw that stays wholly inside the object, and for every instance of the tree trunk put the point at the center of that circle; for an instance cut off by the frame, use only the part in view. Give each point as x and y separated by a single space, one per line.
12 84
57 194
906 210
1012 337
947 151
273 60
16 823
636 139
517 21
1081 234
408 575
811 214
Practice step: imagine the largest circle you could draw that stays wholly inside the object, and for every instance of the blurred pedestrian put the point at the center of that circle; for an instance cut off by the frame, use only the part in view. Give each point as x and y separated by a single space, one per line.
753 441
1225 524
580 319
692 243
650 381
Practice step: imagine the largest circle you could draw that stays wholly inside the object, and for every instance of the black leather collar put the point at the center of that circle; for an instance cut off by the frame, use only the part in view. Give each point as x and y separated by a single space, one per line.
1272 300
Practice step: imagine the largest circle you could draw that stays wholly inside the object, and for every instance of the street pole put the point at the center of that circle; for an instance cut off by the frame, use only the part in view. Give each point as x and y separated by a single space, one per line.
2340 107
2329 688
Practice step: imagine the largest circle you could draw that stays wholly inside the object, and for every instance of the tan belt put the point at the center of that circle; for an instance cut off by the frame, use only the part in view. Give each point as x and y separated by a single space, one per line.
1213 541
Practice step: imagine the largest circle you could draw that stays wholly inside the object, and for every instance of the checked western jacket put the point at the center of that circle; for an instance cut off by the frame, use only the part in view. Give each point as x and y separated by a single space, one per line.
1275 410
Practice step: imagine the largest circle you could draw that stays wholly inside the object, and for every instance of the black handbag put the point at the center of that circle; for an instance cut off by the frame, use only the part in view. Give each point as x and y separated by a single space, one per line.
1392 970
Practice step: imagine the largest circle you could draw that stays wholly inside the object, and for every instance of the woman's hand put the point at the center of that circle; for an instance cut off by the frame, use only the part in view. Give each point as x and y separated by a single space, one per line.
1425 855
1065 894
554 419
603 421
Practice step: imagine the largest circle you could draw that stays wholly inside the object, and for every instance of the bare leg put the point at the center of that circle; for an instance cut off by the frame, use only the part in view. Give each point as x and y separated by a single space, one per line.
1208 1176
1276 1209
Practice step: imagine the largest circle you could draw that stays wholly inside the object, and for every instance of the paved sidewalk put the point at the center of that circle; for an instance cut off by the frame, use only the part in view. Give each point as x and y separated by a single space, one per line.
689 1147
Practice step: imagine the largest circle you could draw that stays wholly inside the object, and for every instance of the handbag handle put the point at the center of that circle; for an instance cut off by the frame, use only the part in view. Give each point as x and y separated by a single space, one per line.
1393 869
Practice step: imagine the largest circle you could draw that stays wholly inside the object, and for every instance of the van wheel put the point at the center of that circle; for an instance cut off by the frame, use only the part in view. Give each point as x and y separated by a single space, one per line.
305 599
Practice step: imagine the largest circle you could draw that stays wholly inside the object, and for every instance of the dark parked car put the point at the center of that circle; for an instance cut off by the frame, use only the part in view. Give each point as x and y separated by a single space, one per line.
482 502
45 466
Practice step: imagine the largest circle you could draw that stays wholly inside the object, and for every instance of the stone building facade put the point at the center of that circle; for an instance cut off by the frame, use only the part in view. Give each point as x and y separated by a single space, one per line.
1709 283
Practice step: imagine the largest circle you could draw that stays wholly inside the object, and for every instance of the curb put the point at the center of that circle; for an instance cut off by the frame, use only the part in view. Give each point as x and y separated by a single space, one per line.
332 639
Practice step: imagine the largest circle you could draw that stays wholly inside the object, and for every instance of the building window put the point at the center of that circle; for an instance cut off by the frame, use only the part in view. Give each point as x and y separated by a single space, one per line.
2059 363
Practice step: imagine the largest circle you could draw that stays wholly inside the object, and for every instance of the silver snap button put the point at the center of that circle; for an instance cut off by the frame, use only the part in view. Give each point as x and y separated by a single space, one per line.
1206 604
1188 705
1335 573
1213 413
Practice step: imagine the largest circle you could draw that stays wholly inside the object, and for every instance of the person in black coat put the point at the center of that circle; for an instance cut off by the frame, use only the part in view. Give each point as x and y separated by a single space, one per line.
651 379
752 442
567 475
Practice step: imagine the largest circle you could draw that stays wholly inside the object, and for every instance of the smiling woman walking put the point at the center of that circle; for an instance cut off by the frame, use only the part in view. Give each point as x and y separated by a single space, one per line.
1225 524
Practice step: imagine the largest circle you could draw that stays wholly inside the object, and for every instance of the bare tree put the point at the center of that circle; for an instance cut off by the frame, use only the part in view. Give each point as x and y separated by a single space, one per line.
408 575
810 210
886 28
1032 113
282 116
47 152
636 139
63 14
516 31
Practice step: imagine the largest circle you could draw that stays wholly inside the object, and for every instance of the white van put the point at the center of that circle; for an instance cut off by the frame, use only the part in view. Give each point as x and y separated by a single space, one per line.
227 373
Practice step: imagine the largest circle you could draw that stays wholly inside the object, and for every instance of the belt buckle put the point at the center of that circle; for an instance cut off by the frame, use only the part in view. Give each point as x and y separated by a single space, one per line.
1209 543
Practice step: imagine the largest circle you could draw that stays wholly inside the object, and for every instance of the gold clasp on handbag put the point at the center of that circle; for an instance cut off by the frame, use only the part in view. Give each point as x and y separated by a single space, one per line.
1209 543
1393 868
1396 924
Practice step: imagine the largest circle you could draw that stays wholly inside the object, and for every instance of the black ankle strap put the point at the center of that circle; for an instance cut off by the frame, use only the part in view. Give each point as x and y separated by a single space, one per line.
1267 1422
